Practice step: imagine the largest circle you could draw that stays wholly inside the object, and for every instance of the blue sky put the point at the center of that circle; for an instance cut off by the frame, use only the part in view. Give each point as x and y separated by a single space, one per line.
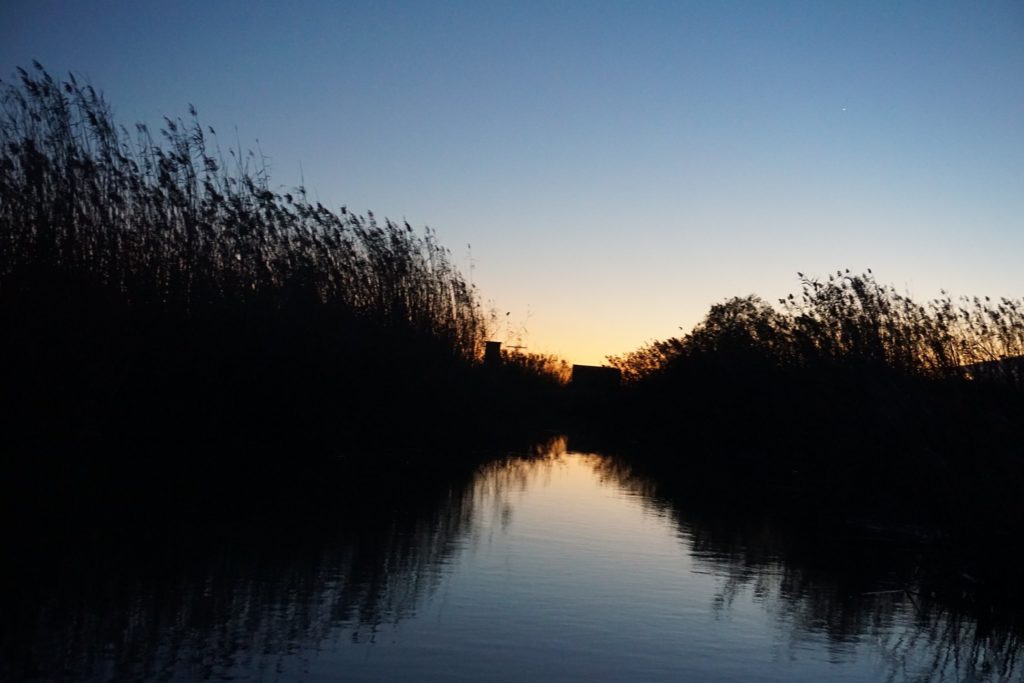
617 167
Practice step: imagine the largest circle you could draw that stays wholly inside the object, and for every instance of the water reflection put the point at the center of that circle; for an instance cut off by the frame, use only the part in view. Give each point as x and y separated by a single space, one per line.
200 599
583 553
852 586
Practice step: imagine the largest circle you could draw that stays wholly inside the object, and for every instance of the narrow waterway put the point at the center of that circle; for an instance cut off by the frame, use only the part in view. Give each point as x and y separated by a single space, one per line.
555 566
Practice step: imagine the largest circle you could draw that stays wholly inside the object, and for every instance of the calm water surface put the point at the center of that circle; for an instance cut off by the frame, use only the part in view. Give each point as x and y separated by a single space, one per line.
560 566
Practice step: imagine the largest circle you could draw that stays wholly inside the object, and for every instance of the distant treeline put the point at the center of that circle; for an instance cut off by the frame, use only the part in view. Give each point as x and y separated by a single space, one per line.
154 285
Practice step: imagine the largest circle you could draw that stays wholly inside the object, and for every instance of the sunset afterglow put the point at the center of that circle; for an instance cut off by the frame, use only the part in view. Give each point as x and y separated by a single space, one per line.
604 171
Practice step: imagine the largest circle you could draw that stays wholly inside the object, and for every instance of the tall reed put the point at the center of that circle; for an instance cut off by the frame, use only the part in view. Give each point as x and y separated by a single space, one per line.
122 247
176 225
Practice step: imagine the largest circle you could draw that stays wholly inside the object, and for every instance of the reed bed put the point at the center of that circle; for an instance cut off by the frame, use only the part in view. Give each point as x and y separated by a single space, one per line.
851 320
848 399
141 267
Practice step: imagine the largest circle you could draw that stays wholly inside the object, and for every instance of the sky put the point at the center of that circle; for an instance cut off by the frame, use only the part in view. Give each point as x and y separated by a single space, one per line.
604 172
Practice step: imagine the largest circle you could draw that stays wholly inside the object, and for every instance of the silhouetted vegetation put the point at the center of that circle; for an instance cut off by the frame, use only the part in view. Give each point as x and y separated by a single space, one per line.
848 321
524 389
549 369
850 401
156 289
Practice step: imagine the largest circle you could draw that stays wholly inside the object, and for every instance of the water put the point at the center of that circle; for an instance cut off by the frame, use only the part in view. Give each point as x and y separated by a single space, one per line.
560 566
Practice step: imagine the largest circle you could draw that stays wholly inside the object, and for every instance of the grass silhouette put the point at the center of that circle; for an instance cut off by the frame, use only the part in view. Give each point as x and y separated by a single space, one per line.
153 284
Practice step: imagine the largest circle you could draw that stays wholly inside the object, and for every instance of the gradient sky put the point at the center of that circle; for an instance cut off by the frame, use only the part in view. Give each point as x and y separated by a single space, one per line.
617 167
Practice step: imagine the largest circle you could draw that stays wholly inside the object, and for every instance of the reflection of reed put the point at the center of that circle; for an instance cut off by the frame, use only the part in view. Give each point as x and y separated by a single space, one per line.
948 646
240 596
850 588
232 599
498 480
229 601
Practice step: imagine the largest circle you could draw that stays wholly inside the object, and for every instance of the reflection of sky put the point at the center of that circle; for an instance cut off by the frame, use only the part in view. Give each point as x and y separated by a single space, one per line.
587 581
616 169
